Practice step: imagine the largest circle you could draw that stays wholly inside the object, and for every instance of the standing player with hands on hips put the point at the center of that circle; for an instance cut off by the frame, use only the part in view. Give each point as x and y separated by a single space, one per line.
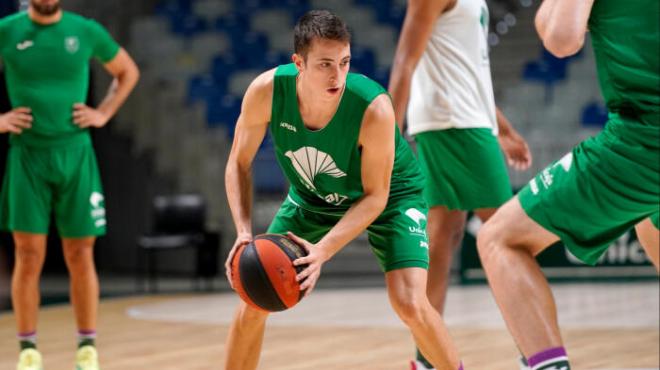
51 166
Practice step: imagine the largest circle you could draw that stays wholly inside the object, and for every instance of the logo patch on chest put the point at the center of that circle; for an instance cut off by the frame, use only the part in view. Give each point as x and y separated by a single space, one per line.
72 44
24 45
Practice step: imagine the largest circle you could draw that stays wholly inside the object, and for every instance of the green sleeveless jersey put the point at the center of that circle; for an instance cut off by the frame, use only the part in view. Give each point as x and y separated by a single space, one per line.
324 166
626 40
47 70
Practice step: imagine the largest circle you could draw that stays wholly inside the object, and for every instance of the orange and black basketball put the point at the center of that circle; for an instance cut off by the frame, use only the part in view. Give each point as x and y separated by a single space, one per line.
263 273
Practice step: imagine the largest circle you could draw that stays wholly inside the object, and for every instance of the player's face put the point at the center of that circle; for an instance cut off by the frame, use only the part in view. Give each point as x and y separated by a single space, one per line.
326 66
45 7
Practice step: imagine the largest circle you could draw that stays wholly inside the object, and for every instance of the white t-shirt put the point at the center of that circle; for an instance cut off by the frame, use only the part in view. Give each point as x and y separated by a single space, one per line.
451 86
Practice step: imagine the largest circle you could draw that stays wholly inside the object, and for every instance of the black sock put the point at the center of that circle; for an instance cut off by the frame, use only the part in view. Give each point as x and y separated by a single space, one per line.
423 360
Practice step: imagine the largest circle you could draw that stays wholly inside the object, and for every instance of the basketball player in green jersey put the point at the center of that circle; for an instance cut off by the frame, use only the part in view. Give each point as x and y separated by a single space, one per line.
337 142
441 81
51 166
606 185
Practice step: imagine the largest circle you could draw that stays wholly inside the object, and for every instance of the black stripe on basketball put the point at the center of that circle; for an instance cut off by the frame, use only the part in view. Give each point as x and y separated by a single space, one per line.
288 246
292 249
256 283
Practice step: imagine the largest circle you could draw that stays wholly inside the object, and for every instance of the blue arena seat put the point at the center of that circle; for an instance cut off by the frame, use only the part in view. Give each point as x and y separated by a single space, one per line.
594 114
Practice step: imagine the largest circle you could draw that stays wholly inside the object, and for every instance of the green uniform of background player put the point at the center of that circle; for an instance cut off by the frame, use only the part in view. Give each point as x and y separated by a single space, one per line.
51 165
605 186
337 143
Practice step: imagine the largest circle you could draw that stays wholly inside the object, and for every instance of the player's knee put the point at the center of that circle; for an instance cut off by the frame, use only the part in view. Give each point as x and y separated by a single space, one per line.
489 238
79 257
29 261
409 308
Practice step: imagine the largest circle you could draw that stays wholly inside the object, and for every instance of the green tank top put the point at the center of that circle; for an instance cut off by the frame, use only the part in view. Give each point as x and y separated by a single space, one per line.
47 70
626 40
324 166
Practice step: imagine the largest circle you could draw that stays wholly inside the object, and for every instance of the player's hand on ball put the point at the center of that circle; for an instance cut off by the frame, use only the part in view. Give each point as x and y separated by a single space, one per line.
314 260
16 120
515 150
85 116
241 239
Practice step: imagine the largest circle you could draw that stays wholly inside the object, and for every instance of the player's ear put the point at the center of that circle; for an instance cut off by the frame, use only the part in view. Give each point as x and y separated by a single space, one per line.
299 61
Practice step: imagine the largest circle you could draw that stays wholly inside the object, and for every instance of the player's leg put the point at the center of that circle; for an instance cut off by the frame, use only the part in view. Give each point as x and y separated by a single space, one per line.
80 218
246 332
649 236
555 205
84 285
445 229
245 338
508 244
406 288
25 205
399 240
30 253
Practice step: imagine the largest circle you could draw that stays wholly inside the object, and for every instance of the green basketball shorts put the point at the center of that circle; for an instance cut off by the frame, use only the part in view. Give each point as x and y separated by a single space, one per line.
464 168
601 189
62 180
397 237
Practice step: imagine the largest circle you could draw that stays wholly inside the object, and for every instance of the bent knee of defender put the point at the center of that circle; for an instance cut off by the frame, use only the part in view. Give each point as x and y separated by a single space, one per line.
489 238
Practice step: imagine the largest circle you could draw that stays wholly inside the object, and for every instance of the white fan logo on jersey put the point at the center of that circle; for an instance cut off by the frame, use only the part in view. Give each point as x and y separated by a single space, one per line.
310 162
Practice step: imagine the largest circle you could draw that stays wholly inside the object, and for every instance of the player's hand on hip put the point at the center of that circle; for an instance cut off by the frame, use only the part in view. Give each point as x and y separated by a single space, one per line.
241 239
85 116
515 150
16 120
314 260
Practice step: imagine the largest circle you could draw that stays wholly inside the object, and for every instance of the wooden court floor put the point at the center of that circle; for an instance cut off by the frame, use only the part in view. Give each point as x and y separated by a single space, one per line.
188 332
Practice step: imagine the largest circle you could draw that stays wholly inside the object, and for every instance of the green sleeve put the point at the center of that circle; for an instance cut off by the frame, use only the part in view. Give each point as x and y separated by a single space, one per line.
105 47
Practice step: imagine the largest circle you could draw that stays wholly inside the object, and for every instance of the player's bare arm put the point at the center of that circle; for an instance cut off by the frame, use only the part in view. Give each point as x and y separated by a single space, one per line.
421 15
377 143
513 145
562 25
126 75
250 131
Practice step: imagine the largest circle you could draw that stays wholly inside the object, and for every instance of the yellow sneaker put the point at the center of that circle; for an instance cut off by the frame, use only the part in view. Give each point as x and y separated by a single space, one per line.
29 359
87 358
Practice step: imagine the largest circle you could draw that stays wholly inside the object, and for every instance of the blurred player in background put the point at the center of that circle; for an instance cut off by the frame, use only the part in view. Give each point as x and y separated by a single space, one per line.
51 165
604 187
441 78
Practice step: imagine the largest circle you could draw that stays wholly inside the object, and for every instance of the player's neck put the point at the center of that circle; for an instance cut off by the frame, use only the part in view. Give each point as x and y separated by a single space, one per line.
316 111
39 18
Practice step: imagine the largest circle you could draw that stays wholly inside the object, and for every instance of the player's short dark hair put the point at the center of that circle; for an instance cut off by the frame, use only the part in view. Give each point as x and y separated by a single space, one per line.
321 24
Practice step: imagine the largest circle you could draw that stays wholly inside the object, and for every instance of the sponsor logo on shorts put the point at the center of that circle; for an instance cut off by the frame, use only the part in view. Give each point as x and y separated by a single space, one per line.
534 186
547 178
565 162
98 210
417 216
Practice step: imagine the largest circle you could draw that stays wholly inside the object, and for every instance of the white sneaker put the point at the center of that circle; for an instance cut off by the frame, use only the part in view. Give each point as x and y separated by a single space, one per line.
29 359
416 365
87 358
